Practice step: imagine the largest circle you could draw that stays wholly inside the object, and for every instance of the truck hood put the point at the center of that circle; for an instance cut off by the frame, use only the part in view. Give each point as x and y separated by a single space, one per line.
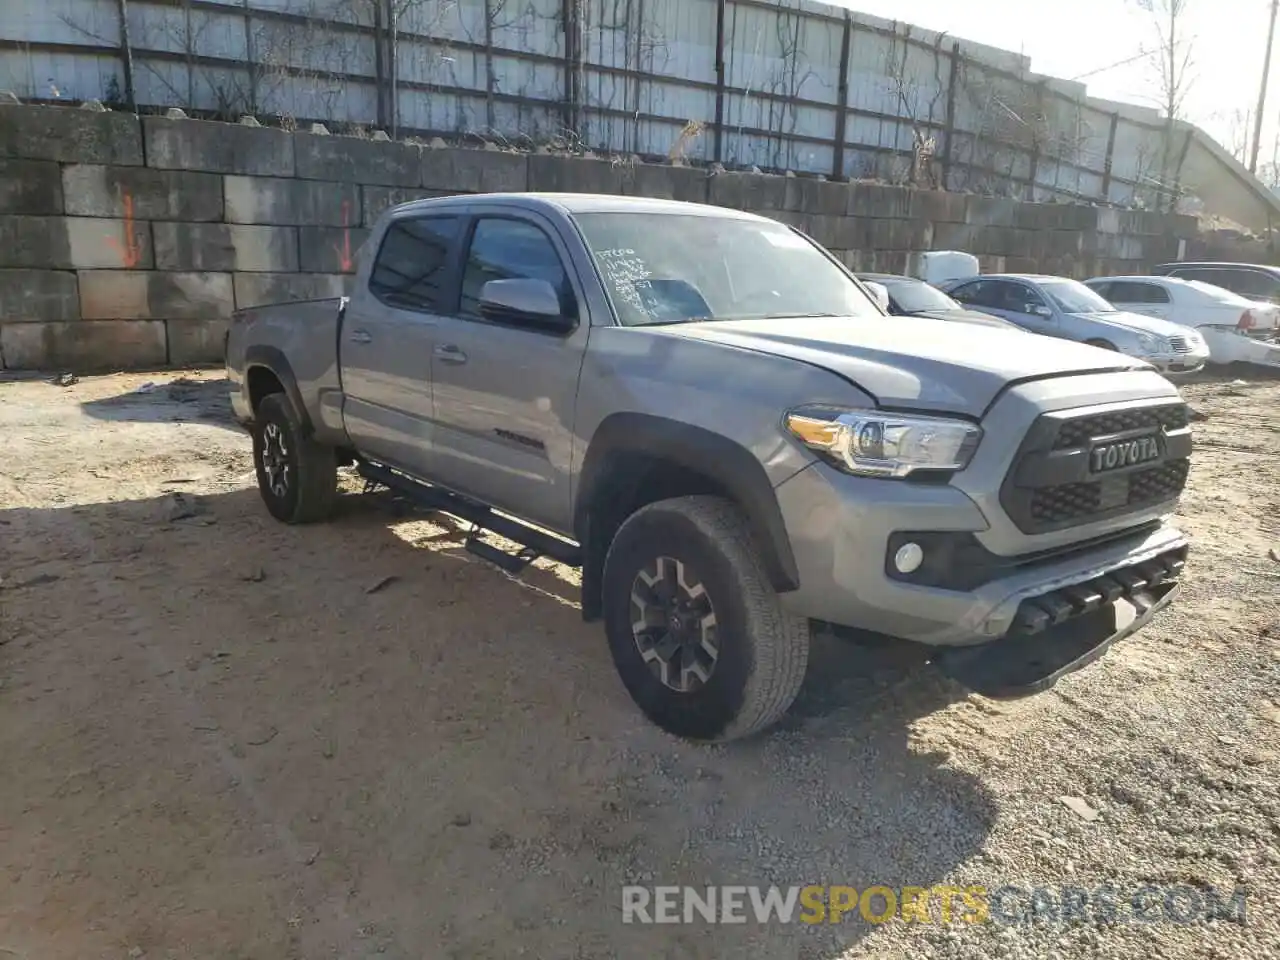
1123 320
912 362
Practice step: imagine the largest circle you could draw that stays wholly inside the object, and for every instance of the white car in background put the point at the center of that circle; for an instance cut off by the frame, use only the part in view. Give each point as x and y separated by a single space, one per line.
1236 330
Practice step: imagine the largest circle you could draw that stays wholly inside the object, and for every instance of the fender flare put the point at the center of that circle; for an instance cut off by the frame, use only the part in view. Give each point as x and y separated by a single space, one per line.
724 461
273 359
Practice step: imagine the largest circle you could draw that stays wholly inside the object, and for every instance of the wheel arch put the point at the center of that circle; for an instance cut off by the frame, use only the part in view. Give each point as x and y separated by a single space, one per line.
261 357
636 459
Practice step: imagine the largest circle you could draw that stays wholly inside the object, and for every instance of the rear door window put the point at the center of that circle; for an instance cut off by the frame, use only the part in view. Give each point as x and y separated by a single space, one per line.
1253 283
1135 291
411 270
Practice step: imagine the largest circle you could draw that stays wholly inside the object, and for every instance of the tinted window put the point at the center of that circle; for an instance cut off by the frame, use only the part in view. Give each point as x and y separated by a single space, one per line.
1020 298
1131 291
1250 283
512 250
1104 290
980 293
410 270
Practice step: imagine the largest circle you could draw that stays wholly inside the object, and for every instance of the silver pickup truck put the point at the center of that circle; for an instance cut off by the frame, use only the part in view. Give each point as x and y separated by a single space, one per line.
711 416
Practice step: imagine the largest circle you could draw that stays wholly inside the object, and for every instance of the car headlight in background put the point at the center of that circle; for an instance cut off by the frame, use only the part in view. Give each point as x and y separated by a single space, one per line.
1150 344
872 443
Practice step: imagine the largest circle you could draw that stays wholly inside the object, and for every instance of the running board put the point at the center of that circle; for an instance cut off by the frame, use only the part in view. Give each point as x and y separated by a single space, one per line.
536 543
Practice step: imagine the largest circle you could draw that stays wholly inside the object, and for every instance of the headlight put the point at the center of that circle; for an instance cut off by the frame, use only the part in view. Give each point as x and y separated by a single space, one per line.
871 443
1150 344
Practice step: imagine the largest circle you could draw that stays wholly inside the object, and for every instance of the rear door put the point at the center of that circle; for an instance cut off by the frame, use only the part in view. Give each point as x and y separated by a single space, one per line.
389 335
1139 296
504 392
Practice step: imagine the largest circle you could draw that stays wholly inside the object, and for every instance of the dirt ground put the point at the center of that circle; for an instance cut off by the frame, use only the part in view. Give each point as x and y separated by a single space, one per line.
223 737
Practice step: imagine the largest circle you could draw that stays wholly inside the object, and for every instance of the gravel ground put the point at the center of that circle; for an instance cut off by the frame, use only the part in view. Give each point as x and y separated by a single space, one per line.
223 737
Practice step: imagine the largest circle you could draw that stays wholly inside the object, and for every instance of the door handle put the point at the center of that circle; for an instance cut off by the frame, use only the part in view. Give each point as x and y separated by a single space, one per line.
361 336
449 353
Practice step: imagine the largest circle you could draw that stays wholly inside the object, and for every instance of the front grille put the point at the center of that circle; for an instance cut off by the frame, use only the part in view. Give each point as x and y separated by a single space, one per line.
1051 486
1070 501
1075 433
1179 345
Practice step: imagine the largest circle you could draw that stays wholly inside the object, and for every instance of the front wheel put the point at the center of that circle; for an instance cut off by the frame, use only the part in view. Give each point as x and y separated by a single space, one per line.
297 477
697 633
1104 344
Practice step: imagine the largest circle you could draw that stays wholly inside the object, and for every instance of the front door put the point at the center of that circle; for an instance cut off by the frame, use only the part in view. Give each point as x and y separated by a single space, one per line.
1025 306
388 337
505 393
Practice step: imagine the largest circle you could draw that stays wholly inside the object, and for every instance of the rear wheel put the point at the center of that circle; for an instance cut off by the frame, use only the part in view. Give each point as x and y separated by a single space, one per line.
297 477
698 635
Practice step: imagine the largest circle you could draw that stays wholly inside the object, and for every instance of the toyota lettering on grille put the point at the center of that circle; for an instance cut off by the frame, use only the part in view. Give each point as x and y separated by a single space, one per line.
1123 453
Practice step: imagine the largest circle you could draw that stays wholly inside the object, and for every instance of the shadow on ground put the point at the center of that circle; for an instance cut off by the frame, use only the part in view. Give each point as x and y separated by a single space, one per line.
166 400
356 739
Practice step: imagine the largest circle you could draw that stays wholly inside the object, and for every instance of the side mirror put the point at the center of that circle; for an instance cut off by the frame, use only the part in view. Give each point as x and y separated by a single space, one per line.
879 292
1039 310
532 302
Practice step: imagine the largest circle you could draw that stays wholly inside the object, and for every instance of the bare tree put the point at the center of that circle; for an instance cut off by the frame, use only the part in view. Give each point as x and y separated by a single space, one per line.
1173 61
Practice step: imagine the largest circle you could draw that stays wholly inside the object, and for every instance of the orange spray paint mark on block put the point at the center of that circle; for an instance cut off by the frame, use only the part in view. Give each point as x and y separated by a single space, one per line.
131 252
344 251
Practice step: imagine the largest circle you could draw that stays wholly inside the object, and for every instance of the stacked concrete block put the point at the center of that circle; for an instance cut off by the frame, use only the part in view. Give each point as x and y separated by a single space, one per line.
130 242
355 160
329 249
667 183
218 147
84 345
376 200
258 289
30 187
460 170
70 136
548 173
226 247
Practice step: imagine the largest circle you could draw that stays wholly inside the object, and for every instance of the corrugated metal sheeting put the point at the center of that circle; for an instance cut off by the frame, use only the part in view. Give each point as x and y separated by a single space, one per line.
780 85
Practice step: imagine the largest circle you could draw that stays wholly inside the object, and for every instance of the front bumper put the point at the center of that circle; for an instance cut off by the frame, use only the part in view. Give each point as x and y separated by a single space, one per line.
1189 362
1029 661
841 528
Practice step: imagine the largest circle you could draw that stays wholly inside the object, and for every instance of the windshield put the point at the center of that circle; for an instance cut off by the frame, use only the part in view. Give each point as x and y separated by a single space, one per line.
1072 296
671 268
913 296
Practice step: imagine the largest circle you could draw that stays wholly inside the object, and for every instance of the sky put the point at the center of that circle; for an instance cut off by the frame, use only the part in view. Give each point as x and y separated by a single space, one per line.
1072 38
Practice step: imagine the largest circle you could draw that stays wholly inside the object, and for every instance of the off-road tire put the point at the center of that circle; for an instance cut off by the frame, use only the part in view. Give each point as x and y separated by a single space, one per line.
312 483
762 649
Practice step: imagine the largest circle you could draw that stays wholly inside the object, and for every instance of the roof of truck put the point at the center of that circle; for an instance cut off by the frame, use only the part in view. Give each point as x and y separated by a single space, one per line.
573 203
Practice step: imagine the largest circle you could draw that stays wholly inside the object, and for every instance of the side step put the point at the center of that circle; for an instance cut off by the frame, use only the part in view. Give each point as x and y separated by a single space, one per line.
536 543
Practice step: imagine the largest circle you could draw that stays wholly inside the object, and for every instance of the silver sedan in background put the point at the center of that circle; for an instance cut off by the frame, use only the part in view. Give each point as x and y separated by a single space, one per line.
1065 308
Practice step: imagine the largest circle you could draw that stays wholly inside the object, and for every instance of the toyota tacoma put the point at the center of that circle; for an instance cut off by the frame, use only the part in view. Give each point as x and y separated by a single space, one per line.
714 419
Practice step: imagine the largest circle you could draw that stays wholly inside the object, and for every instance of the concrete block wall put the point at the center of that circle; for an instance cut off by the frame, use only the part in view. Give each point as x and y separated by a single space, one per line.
129 242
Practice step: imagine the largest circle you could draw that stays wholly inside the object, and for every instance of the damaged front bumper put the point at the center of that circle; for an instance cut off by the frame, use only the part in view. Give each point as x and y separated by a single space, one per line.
1062 630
